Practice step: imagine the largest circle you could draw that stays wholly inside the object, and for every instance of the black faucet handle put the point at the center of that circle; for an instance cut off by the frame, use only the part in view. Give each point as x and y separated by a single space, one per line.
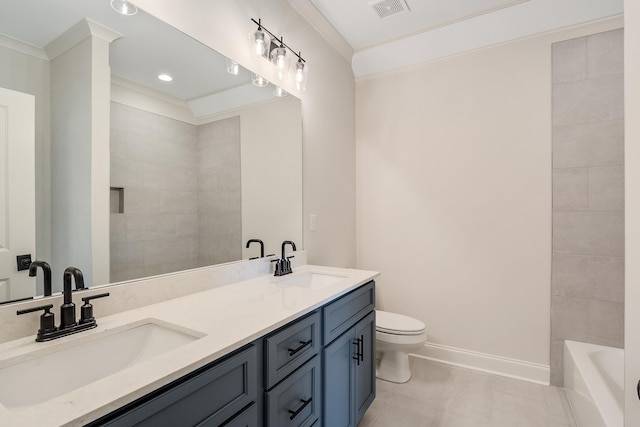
47 319
86 311
96 296
34 309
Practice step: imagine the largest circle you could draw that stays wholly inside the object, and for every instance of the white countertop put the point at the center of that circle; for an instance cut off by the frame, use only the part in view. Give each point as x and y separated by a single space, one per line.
228 317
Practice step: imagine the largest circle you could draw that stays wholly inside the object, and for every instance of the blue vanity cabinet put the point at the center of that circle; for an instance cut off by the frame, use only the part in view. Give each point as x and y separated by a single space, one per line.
349 360
318 370
221 393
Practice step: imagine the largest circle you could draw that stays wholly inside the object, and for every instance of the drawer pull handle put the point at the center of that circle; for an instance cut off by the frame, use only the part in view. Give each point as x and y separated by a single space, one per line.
302 345
297 411
362 348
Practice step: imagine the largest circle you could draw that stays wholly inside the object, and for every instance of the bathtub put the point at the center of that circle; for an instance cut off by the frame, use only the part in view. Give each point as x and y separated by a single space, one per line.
594 382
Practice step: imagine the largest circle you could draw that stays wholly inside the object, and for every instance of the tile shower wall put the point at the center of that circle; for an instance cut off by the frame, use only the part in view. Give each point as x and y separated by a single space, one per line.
587 285
166 211
219 197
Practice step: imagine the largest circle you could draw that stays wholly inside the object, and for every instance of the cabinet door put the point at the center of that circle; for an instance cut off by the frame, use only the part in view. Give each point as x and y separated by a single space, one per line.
339 376
365 372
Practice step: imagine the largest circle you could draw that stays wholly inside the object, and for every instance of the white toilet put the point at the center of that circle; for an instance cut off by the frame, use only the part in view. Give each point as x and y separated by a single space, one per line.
396 336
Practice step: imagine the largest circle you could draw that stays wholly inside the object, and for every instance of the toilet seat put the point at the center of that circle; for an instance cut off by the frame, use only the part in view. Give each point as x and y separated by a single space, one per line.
398 324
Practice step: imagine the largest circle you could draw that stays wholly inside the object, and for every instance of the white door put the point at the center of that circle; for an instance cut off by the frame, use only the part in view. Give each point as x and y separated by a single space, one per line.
17 192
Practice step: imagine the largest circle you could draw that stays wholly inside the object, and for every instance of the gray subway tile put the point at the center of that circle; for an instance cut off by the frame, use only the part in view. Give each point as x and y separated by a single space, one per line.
606 323
126 255
139 200
596 99
557 362
117 228
588 144
570 189
569 59
144 227
187 225
179 201
588 233
568 318
590 277
126 173
606 188
605 53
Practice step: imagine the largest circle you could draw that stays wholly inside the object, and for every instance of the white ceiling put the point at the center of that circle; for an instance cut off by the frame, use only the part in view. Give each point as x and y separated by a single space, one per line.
148 47
434 29
361 26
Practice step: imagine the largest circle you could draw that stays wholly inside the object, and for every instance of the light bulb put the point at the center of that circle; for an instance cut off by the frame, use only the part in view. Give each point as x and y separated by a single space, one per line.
300 75
279 57
299 72
261 41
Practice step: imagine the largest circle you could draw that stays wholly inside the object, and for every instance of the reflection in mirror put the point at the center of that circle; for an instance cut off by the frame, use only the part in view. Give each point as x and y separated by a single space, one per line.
135 176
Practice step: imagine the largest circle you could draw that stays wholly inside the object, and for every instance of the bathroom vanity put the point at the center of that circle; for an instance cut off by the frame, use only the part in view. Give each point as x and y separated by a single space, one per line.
296 350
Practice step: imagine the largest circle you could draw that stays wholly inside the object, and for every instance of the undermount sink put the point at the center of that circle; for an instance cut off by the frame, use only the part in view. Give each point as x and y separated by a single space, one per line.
310 280
76 363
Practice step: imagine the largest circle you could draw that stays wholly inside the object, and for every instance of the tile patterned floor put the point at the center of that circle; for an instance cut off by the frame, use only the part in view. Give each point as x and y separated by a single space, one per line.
440 395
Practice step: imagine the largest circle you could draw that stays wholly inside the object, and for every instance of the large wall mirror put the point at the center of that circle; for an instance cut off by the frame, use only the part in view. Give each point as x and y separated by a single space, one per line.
135 176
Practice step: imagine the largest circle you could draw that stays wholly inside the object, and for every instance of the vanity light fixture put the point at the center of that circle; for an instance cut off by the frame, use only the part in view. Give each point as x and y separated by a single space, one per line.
276 52
124 7
165 77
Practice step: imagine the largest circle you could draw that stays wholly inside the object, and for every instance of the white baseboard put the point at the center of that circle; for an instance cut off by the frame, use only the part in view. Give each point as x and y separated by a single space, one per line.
512 368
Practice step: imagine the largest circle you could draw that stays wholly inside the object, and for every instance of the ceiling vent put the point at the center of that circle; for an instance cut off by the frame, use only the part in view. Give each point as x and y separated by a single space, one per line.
388 8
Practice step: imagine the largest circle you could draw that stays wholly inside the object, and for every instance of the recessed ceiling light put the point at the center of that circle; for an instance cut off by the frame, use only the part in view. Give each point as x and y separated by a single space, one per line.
124 7
165 77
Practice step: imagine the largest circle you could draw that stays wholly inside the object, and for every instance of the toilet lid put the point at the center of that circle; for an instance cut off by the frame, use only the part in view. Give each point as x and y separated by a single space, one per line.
398 324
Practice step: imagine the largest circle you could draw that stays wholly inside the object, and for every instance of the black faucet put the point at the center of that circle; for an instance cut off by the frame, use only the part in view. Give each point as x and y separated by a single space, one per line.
250 241
33 270
68 324
283 265
68 308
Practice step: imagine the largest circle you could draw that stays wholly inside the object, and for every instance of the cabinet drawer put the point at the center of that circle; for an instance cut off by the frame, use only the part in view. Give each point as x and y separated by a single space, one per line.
213 394
290 347
246 418
343 313
296 401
